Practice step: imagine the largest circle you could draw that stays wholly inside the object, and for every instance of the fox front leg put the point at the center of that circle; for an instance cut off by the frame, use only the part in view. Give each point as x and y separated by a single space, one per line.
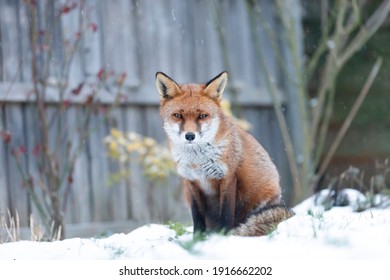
198 219
227 204
196 201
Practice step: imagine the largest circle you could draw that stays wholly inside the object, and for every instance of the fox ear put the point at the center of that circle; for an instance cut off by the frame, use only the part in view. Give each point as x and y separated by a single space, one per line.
214 87
166 86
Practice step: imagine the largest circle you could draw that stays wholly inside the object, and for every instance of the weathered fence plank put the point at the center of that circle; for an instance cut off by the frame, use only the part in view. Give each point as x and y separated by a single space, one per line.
81 192
33 148
118 191
91 50
4 181
15 118
10 62
137 187
99 164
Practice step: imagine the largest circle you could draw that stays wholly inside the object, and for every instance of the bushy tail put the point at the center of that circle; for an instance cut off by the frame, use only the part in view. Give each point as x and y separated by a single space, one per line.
263 222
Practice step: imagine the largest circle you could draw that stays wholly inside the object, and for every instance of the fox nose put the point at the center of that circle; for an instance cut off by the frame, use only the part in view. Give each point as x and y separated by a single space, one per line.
190 136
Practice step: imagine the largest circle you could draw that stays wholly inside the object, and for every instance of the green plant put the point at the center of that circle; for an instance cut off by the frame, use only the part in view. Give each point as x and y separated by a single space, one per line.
190 244
116 252
179 228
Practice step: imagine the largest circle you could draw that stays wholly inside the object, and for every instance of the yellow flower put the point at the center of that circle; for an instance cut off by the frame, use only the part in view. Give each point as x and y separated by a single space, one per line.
132 147
149 142
245 125
225 106
113 146
116 133
133 136
154 158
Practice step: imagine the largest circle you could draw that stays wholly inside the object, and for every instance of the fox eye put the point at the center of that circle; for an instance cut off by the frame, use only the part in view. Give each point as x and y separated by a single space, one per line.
178 116
202 116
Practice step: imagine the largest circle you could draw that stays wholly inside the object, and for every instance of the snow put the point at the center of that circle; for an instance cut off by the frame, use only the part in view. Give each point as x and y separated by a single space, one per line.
312 233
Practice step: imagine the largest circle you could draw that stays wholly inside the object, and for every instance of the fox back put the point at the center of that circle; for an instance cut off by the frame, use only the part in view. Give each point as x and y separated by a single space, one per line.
227 174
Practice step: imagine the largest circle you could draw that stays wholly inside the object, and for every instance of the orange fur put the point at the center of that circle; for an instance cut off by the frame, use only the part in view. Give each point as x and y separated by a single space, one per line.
227 174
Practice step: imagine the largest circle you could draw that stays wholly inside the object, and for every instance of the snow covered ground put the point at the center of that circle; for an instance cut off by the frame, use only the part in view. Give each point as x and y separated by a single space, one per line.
312 233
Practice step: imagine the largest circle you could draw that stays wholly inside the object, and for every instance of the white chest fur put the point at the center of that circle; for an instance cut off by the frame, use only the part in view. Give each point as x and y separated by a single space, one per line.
200 162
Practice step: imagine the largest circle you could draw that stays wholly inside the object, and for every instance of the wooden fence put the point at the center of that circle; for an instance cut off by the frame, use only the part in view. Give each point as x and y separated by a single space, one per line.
191 41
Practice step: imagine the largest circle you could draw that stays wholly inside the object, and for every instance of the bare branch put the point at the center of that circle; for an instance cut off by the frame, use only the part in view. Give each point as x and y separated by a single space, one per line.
371 26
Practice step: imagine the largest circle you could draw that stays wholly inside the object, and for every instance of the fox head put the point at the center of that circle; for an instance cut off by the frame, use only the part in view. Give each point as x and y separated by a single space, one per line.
191 112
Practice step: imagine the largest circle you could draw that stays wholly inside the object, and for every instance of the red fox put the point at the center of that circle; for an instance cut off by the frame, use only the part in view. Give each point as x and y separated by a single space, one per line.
230 182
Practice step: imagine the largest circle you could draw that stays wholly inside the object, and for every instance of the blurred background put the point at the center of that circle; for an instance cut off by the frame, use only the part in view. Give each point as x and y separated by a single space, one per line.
83 151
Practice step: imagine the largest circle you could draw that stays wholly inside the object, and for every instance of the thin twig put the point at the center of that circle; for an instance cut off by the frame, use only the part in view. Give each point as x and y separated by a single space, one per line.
319 147
329 71
371 26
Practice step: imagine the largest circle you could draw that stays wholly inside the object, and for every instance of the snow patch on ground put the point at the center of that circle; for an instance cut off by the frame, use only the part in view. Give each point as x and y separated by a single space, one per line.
312 233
